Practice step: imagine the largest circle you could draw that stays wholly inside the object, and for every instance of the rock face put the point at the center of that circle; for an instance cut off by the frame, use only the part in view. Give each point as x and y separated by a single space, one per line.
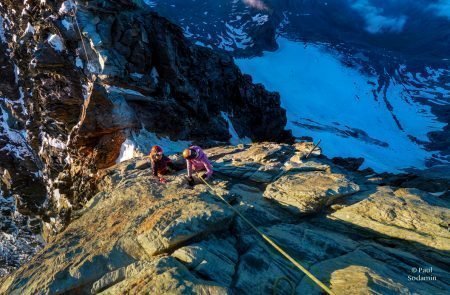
79 78
140 236
19 168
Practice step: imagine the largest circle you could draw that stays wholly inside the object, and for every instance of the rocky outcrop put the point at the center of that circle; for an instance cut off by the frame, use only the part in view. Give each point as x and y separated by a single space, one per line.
82 77
310 191
138 235
409 214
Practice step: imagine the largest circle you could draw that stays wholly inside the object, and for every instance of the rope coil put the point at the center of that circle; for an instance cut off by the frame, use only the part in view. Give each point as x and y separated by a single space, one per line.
272 243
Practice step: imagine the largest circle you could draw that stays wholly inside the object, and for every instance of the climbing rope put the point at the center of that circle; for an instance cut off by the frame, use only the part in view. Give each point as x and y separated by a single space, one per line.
75 11
271 242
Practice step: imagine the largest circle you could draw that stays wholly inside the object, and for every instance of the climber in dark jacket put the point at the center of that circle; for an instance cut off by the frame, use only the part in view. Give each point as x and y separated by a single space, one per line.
161 165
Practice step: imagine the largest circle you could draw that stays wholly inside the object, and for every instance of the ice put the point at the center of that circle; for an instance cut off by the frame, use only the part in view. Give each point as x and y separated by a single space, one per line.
257 4
235 138
122 90
187 33
79 62
66 7
140 143
238 36
126 151
17 243
329 101
16 73
145 140
150 3
155 76
136 75
67 24
16 143
29 29
57 198
47 140
2 30
56 42
260 19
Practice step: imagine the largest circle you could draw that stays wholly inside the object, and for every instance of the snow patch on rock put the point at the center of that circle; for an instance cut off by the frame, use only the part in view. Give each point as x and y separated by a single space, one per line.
127 151
56 42
154 75
2 30
67 24
79 62
235 138
66 7
140 143
16 141
29 30
17 243
150 3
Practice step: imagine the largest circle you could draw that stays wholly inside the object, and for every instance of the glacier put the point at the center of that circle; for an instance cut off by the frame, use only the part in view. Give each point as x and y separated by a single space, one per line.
344 107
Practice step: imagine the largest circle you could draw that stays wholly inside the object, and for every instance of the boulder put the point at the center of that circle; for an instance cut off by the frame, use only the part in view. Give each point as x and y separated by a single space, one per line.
260 163
309 192
405 214
173 223
165 276
213 259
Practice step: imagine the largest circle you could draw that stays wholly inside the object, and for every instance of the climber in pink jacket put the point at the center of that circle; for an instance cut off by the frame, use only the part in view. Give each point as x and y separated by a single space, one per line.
196 160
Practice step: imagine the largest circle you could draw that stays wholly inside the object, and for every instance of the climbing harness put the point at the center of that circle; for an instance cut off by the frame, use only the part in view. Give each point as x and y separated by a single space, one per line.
271 242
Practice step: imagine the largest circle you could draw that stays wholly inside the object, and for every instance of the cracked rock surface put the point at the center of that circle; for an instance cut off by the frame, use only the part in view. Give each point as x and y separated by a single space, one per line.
140 236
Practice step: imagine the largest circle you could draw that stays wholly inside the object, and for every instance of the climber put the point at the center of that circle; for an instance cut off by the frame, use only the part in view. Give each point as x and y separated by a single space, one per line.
196 160
161 165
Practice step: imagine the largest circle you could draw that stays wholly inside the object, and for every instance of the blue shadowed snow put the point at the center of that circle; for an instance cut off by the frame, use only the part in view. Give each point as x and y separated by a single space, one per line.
329 101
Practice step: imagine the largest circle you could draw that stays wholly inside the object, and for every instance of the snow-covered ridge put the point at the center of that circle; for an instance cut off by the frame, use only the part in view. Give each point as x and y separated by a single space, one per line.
211 27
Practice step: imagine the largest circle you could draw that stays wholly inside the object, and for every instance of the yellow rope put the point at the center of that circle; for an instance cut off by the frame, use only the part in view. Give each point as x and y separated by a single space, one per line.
272 243
75 11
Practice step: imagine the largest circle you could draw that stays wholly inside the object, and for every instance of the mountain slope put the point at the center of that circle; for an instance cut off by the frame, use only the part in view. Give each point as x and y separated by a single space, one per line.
352 233
369 78
85 85
137 75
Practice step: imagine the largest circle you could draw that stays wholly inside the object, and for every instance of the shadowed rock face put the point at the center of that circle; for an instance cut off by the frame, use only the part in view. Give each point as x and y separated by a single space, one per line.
19 168
79 96
138 235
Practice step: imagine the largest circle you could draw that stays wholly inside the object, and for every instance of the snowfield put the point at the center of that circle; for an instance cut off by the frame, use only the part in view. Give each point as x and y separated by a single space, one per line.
344 108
